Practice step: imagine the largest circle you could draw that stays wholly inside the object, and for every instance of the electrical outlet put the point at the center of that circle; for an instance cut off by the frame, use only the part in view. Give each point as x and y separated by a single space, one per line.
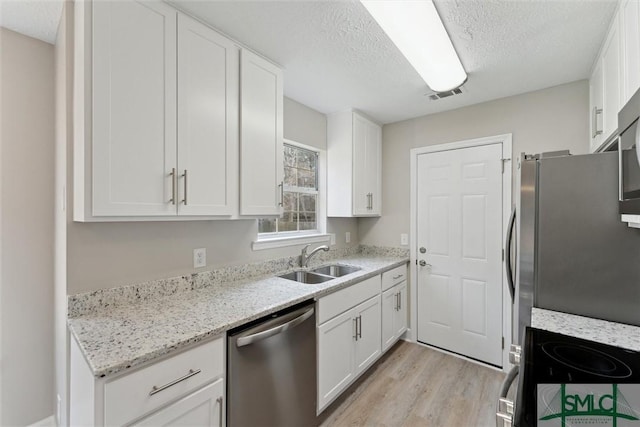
199 258
404 239
333 239
347 237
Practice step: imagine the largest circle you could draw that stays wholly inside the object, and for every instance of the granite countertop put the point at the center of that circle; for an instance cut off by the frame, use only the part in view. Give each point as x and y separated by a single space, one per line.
616 334
117 338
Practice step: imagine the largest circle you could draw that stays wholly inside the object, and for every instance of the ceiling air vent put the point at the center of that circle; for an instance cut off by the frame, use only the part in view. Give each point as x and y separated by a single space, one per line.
439 95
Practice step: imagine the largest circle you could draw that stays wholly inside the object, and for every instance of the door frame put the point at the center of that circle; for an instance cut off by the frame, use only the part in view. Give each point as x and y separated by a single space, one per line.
506 141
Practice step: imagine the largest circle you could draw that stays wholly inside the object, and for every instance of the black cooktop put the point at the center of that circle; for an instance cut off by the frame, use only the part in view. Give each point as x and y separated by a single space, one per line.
551 358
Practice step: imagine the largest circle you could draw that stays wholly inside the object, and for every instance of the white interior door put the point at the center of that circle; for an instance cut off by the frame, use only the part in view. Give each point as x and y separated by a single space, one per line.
459 237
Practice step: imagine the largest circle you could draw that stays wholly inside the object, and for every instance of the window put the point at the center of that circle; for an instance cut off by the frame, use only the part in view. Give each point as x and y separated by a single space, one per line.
300 195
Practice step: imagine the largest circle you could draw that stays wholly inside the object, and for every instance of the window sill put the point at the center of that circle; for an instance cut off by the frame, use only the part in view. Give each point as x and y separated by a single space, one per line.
281 242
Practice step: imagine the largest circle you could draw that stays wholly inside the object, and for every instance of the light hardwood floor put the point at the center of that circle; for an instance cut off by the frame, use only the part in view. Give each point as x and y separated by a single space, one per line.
415 386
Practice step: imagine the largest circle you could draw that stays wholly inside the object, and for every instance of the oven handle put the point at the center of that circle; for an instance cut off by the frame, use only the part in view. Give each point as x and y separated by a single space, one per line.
504 407
507 255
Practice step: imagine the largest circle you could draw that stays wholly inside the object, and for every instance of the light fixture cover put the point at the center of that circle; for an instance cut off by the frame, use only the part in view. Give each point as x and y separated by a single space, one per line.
415 28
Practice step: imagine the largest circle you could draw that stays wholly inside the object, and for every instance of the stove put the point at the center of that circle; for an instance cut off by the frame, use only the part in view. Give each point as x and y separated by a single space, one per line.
568 381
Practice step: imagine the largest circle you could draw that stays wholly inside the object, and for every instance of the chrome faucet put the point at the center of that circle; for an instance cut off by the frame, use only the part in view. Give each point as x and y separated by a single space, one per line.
304 258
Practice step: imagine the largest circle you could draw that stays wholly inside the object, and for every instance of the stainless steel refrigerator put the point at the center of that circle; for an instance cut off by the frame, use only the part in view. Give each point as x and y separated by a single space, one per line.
570 250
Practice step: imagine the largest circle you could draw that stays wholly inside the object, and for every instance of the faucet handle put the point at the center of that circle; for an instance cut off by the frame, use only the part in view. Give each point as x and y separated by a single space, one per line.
304 250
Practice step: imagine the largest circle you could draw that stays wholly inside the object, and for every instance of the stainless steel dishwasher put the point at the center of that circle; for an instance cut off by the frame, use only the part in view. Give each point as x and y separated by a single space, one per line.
272 370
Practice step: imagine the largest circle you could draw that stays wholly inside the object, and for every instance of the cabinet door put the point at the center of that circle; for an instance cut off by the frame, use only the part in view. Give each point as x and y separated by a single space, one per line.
630 17
361 188
389 308
335 357
596 106
207 120
261 156
367 348
374 171
204 407
400 315
611 80
134 108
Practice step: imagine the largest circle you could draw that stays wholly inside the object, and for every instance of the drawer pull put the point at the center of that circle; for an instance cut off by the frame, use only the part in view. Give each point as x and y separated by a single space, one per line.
156 389
397 277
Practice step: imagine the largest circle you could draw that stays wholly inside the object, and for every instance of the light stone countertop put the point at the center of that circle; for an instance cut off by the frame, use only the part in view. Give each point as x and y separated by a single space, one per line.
113 339
616 334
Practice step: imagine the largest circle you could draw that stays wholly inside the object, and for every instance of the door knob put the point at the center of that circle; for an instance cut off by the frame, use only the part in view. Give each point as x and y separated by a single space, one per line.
423 263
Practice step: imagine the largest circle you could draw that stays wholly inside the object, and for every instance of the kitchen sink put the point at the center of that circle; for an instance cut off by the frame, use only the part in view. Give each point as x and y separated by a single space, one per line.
336 270
306 277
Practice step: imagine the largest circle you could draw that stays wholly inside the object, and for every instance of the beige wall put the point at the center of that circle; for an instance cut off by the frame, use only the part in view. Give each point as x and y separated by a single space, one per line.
102 255
26 180
546 120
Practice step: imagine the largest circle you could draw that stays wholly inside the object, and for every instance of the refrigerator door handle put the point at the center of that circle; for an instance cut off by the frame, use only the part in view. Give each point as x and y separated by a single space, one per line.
507 256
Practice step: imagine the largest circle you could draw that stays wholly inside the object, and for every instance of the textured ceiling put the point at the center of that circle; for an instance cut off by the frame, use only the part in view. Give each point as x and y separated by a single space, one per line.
336 57
35 18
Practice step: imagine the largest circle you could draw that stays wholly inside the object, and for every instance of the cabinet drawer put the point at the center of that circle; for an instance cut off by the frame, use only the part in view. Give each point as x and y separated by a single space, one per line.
393 277
341 301
129 397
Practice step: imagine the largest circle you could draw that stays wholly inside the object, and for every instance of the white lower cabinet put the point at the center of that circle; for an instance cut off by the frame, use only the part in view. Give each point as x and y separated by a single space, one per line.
394 314
347 345
184 389
335 357
202 408
367 343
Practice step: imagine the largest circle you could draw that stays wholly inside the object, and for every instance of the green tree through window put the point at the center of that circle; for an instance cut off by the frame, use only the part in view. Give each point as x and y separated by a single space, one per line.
300 194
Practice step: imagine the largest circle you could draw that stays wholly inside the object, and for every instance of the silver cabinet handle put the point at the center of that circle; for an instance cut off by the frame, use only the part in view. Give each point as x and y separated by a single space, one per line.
399 301
355 326
360 326
371 201
397 277
219 400
172 174
156 389
184 175
281 185
250 339
595 132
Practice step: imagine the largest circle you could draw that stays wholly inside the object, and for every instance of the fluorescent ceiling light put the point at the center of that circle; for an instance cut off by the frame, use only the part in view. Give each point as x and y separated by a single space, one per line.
416 29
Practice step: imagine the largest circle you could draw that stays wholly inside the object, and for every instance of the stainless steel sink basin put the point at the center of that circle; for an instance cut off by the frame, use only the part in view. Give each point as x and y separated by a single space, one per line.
336 270
306 277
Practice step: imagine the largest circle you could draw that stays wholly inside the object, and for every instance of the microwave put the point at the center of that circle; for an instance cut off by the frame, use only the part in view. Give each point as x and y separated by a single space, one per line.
629 156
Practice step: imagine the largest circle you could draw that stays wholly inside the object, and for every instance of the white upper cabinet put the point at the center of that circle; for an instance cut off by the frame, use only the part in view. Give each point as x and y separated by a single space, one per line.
629 17
596 100
134 107
354 153
157 118
207 120
611 78
616 73
261 136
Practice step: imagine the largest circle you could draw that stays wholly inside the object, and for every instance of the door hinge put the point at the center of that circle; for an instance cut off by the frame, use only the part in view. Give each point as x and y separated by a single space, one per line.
503 343
503 162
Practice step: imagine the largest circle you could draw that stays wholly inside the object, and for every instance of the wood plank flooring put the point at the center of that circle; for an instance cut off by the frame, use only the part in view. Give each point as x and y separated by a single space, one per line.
415 386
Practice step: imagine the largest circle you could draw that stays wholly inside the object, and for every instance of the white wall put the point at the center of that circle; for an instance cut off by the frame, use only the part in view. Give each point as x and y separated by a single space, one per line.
26 181
102 255
546 120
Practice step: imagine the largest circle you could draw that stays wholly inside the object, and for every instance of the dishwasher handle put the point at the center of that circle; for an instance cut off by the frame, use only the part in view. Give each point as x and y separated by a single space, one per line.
250 339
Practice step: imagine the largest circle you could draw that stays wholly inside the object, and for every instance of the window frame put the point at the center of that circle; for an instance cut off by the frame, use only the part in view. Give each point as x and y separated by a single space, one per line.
291 238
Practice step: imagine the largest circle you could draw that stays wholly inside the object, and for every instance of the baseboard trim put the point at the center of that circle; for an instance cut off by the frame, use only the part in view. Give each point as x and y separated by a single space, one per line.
50 421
